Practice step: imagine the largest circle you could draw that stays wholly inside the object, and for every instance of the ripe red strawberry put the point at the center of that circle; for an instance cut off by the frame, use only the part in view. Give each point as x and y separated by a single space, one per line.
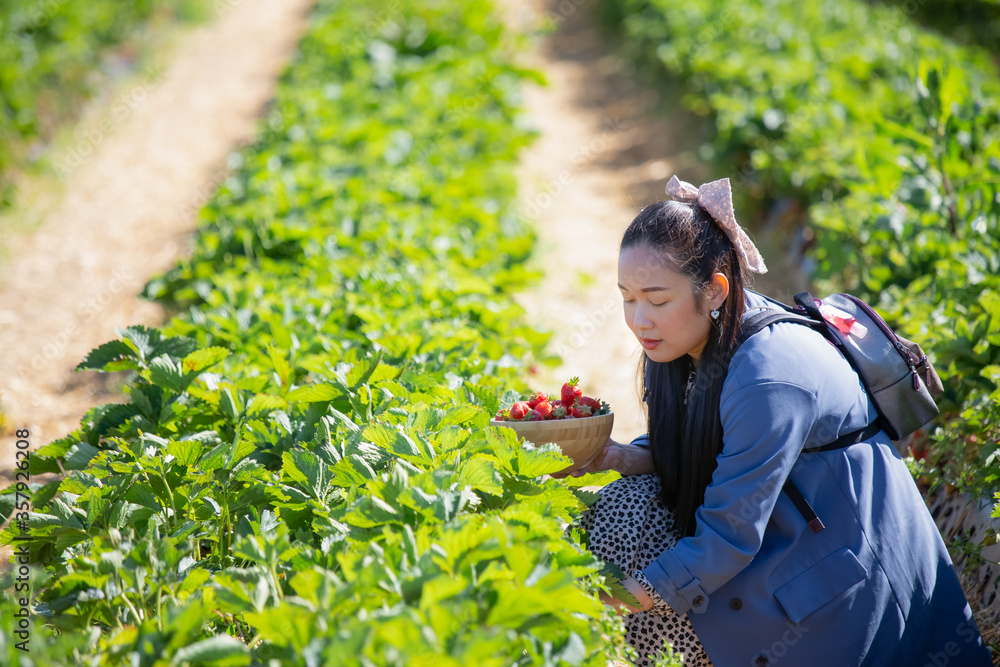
581 411
544 409
559 412
537 398
591 403
534 416
571 392
519 410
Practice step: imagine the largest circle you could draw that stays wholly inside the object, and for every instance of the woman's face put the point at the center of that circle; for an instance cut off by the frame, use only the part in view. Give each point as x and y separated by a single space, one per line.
660 307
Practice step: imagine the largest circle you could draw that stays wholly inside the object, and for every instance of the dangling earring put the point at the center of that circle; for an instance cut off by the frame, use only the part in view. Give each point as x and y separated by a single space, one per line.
714 314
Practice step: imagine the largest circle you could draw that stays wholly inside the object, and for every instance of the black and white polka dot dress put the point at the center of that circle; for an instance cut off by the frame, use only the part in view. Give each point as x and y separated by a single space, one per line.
630 526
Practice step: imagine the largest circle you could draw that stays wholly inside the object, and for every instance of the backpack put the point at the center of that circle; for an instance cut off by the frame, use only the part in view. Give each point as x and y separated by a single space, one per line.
895 372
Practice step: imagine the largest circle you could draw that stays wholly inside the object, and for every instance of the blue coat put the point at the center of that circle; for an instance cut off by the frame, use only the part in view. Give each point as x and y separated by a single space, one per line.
875 587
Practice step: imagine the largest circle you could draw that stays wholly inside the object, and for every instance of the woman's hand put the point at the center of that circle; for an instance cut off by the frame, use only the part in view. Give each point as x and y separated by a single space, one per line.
636 589
622 458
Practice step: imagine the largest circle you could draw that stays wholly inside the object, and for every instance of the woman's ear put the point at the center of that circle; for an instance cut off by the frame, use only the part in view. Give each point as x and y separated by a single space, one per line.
718 290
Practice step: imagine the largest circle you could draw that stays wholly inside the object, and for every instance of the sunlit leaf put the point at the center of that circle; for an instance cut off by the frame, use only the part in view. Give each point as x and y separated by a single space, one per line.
317 393
204 358
220 650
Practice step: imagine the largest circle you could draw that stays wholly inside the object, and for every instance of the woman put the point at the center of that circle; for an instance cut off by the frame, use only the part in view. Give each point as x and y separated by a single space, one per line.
699 519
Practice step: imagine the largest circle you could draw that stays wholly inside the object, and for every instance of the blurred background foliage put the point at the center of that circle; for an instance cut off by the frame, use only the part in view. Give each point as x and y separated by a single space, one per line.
965 21
57 54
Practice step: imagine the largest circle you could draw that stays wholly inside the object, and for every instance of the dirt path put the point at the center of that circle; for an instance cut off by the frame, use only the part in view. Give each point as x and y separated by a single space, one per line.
134 182
605 150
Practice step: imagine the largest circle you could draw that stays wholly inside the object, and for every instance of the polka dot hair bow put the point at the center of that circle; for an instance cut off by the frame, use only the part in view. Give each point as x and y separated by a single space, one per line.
717 198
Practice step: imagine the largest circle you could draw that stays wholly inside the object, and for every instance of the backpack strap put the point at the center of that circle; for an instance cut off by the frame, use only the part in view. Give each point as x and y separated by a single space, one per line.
848 439
769 316
802 505
756 323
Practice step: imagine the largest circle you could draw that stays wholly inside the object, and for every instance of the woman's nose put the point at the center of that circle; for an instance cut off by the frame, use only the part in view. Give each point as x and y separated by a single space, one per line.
640 320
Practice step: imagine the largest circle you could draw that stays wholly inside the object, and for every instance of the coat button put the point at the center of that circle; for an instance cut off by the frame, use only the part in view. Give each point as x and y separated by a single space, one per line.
736 604
761 661
698 601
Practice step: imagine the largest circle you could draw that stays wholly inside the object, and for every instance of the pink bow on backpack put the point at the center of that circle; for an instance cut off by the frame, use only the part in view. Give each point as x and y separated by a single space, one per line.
717 198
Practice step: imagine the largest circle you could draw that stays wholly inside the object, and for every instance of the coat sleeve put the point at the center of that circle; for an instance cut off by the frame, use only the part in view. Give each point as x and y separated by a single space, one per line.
765 426
641 441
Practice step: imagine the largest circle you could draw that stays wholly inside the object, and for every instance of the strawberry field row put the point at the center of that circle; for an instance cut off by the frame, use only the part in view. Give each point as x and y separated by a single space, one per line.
50 55
889 136
303 471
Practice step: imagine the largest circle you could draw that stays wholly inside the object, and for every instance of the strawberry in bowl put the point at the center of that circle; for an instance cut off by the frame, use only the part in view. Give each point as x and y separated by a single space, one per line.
578 424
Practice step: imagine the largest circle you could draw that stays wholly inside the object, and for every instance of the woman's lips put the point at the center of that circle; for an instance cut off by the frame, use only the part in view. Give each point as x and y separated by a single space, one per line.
649 343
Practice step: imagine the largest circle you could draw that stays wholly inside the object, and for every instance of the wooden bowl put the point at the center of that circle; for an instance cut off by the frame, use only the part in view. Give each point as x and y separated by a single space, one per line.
580 439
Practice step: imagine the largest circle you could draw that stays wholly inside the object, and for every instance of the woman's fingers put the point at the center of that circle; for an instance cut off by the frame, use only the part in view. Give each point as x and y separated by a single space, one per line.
635 588
609 458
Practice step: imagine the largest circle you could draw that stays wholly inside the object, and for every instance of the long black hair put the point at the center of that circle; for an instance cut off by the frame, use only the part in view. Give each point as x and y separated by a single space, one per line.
686 439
